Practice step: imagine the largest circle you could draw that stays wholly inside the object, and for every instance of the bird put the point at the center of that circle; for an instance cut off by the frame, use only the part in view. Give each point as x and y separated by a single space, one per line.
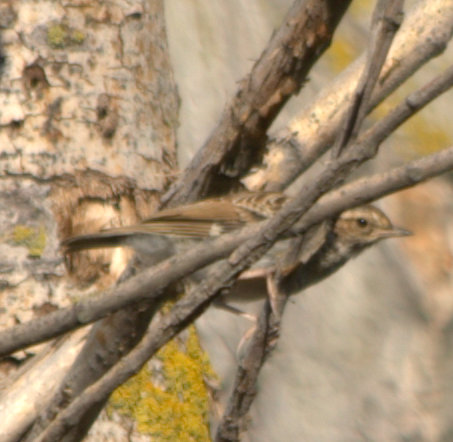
322 250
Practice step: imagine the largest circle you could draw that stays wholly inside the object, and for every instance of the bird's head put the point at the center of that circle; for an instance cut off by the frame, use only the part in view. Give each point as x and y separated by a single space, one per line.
363 226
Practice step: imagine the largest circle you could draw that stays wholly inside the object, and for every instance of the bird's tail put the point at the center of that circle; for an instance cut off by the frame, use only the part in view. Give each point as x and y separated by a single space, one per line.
93 241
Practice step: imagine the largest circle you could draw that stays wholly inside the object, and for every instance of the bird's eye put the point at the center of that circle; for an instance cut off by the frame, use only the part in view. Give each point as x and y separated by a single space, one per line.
362 222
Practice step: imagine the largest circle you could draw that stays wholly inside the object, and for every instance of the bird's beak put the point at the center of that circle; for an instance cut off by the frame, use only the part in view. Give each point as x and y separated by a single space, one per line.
396 232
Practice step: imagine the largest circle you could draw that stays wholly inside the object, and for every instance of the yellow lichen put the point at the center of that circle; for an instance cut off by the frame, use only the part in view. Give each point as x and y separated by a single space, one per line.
178 409
31 237
59 36
56 36
77 37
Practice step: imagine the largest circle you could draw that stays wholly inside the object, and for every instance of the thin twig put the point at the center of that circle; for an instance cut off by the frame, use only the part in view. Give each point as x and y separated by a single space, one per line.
415 101
244 388
386 21
411 105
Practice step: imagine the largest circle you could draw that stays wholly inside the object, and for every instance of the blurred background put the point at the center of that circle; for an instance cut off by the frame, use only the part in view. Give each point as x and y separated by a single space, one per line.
366 354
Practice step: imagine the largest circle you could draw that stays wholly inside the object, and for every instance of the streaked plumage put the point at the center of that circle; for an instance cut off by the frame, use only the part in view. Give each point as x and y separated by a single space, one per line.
203 219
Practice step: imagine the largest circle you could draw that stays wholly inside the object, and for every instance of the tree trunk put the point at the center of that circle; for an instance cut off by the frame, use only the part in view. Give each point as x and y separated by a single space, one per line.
89 112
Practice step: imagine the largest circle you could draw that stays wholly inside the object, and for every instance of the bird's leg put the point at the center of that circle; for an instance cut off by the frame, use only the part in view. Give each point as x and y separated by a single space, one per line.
263 280
270 288
274 294
273 276
222 304
255 273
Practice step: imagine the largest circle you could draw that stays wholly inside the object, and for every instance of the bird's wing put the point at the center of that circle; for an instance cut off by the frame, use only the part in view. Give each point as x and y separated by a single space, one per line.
213 217
203 219
199 220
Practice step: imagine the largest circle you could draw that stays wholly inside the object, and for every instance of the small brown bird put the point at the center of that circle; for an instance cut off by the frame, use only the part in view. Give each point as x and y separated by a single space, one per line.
163 233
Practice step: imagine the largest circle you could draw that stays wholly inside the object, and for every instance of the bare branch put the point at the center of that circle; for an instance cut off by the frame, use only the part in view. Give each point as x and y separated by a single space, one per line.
249 366
424 34
375 135
386 21
239 138
412 104
367 189
40 374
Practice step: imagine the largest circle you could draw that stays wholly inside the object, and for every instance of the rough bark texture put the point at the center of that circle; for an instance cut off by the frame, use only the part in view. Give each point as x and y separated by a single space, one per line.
88 117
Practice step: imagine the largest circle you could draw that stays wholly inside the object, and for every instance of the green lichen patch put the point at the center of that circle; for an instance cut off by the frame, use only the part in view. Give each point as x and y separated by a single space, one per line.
176 406
33 238
60 36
